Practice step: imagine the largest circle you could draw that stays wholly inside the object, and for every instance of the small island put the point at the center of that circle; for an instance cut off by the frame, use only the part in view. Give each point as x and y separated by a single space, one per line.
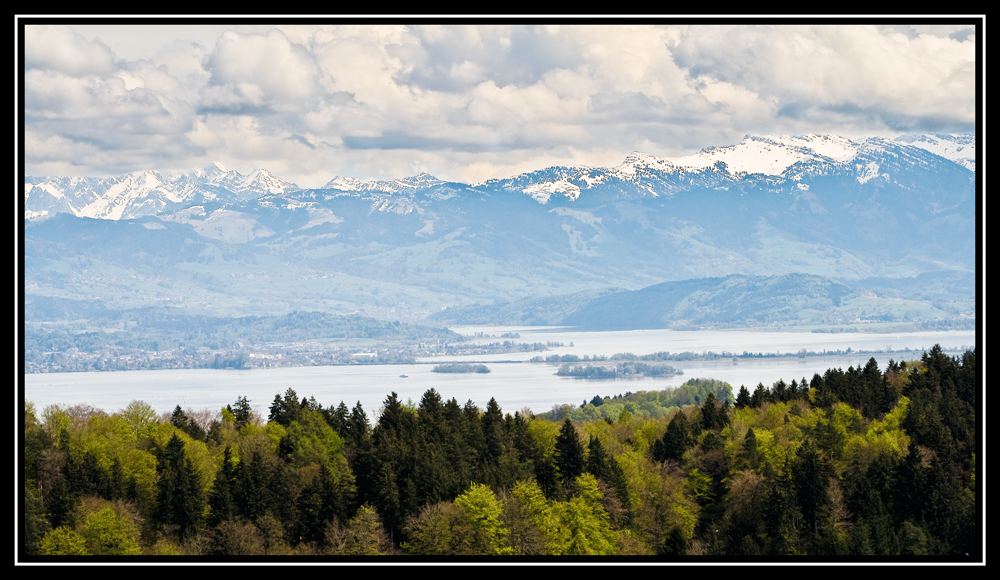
619 371
461 368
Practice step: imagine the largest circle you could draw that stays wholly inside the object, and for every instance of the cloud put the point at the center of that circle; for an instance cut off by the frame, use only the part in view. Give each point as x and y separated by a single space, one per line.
263 68
878 73
58 48
460 100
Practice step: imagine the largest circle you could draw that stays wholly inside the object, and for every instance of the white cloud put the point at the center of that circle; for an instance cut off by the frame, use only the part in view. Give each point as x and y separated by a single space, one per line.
265 68
60 49
460 101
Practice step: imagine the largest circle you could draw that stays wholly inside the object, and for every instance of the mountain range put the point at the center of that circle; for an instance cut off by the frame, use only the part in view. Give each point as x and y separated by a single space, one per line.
867 213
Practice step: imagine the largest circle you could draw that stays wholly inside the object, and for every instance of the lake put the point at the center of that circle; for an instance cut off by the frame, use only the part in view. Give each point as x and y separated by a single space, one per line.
515 385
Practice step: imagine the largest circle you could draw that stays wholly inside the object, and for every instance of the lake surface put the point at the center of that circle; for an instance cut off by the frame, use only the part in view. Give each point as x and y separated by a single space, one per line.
515 385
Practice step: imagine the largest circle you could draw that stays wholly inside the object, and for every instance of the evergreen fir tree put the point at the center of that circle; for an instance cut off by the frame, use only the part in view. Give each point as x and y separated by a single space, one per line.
569 452
180 500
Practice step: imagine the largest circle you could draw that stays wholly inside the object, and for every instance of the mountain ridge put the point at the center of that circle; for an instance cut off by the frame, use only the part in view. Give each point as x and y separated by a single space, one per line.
762 158
408 248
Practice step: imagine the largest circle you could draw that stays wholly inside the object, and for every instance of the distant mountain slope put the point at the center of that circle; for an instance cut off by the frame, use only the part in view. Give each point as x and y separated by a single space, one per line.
223 243
551 311
734 300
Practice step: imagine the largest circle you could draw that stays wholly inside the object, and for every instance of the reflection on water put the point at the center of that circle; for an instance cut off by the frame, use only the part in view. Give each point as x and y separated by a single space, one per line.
514 385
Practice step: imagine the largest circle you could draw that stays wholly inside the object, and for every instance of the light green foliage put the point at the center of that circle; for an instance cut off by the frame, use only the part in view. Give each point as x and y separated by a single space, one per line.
55 420
544 515
274 431
699 484
202 460
808 420
845 419
140 466
105 436
607 434
111 438
482 507
773 416
441 529
587 413
364 535
885 436
645 434
140 417
743 419
30 420
165 548
772 451
579 526
63 541
646 404
259 439
312 441
110 532
225 433
890 427
586 522
612 410
544 434
658 500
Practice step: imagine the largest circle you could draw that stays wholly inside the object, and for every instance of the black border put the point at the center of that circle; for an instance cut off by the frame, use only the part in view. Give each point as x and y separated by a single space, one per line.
978 22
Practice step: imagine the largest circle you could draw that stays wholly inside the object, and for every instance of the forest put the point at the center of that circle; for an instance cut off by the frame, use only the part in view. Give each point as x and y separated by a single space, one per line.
852 464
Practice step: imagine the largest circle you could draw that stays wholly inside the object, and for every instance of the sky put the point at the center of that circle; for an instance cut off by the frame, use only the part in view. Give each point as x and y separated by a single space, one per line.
313 101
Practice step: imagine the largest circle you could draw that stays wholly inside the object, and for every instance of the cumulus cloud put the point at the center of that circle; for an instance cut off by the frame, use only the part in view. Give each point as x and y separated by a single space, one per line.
816 72
314 101
263 69
58 48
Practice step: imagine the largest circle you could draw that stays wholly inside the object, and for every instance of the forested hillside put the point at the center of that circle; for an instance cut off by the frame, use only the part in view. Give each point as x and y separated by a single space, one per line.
857 462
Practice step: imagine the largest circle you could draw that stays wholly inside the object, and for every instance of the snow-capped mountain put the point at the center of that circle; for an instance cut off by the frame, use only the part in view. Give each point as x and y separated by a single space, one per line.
772 163
144 193
959 148
416 182
847 209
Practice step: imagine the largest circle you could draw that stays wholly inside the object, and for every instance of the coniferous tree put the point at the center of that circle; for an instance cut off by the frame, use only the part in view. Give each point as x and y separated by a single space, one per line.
547 476
743 398
675 441
180 495
337 418
569 453
605 467
251 491
242 412
180 420
750 453
781 514
811 475
713 415
221 501
760 396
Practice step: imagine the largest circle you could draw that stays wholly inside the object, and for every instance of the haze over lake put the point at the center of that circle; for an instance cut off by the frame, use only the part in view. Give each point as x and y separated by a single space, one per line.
515 385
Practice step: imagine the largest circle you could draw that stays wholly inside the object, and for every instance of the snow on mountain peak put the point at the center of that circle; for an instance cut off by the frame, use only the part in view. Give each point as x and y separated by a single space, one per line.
542 191
638 160
344 184
771 155
419 181
766 155
958 148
